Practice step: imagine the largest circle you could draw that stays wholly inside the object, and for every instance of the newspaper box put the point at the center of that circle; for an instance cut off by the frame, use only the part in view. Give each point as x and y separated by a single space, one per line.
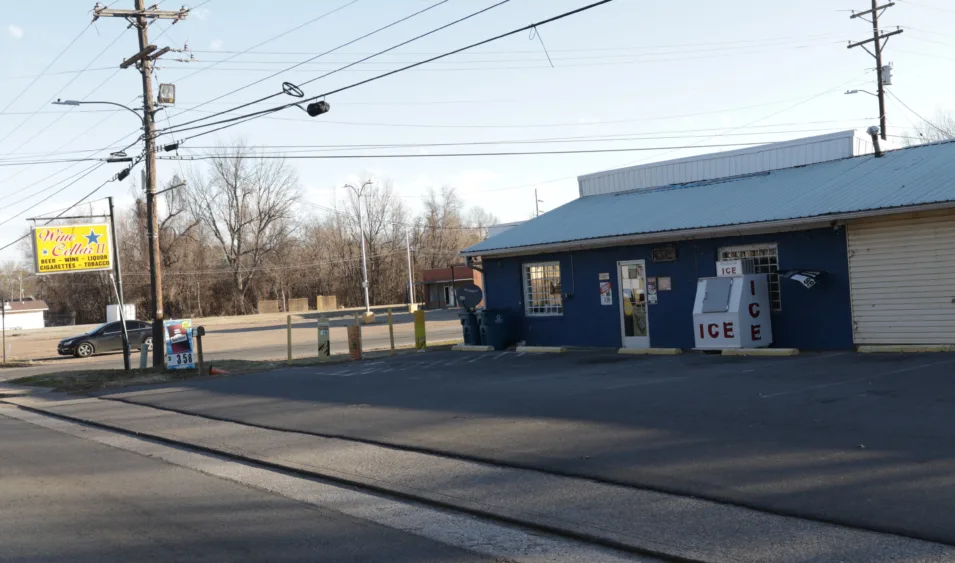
732 312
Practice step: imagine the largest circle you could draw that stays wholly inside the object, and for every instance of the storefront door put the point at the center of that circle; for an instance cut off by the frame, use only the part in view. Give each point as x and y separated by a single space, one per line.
634 325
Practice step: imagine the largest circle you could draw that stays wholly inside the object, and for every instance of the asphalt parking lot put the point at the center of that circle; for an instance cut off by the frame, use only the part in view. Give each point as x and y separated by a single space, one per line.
863 440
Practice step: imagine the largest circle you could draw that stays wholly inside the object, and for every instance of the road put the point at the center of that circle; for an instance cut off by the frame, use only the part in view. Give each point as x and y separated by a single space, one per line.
862 440
259 337
70 499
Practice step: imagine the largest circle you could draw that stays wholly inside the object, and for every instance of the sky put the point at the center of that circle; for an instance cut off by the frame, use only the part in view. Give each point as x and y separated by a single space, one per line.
630 74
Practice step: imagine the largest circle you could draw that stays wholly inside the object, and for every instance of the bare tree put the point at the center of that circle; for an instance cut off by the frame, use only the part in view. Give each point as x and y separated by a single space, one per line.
941 128
247 205
444 230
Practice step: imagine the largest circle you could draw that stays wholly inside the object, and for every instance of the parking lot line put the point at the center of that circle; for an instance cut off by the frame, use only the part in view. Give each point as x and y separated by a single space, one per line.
855 380
499 356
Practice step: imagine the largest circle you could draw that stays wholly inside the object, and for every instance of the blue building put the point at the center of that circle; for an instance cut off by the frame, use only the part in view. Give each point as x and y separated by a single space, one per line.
618 267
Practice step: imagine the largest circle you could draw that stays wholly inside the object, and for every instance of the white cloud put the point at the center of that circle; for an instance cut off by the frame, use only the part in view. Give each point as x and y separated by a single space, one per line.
215 44
201 14
15 31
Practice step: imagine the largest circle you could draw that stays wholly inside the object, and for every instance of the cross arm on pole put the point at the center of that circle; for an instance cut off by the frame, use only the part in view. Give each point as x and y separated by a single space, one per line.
872 39
866 12
103 12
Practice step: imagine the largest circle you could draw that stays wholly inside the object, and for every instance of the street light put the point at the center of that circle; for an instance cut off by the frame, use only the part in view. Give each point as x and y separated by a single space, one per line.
862 92
364 264
79 103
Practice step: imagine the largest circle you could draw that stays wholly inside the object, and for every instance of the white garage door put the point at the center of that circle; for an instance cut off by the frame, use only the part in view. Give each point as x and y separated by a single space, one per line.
902 278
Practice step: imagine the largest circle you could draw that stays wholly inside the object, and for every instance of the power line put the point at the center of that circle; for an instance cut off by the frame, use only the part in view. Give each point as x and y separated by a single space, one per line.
534 60
936 127
543 65
57 95
5 163
393 47
398 70
394 23
749 124
591 49
290 149
440 155
645 49
49 197
67 143
44 71
60 214
279 36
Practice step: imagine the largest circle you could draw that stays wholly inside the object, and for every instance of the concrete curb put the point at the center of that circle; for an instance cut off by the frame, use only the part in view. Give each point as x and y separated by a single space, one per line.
650 351
542 349
760 351
905 348
471 348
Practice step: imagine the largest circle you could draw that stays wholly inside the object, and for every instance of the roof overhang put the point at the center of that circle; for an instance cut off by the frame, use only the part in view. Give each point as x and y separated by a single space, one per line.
708 232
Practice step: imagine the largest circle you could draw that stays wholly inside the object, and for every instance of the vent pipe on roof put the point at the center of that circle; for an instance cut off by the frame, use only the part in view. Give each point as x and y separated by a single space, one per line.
874 132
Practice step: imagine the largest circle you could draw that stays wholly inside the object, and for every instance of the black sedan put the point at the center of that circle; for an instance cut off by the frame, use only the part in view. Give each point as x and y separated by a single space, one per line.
107 338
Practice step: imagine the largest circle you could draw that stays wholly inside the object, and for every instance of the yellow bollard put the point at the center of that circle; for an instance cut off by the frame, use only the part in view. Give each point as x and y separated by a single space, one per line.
420 338
391 333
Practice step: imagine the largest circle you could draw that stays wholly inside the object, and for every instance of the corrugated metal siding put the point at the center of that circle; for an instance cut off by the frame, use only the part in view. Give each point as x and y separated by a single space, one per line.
906 177
902 279
727 164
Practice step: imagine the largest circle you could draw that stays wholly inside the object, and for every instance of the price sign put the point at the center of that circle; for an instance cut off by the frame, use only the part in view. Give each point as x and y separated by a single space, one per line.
179 353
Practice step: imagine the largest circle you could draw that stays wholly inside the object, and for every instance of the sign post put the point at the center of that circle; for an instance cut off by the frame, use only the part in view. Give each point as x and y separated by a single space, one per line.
324 343
118 285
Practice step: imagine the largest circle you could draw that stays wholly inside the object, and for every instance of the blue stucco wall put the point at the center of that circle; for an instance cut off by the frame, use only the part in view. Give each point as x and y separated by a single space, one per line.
811 319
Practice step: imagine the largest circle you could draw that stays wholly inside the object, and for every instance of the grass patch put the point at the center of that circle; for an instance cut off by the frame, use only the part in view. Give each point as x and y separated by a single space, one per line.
17 364
97 380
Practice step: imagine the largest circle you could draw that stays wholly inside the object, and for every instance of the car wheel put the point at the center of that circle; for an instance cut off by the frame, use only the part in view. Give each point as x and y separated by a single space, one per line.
149 343
84 350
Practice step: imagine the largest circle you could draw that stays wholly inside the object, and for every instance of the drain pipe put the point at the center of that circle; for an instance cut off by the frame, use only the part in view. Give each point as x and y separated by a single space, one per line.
874 133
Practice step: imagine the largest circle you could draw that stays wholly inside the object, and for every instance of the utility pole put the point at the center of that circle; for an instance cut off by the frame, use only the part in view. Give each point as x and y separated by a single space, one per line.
411 295
537 202
140 18
361 228
878 40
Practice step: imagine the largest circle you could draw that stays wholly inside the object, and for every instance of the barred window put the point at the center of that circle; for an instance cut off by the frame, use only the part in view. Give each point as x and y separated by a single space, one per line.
765 260
542 291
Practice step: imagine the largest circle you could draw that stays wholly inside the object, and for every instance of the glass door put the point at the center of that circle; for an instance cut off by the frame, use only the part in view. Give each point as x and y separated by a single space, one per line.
634 322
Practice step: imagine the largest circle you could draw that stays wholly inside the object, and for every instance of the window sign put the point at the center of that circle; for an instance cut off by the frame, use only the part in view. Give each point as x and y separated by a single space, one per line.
606 293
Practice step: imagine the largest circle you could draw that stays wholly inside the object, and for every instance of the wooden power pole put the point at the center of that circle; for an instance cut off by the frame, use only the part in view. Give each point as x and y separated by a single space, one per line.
878 43
140 19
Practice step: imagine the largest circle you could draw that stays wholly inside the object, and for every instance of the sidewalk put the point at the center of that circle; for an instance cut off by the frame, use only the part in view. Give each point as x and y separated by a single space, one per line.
643 521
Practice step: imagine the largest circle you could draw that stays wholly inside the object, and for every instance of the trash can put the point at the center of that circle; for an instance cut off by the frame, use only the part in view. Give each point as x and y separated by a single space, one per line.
495 328
469 325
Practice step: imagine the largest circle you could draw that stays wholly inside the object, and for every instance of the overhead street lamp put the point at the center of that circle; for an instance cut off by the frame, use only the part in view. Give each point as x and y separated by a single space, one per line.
142 121
361 228
861 91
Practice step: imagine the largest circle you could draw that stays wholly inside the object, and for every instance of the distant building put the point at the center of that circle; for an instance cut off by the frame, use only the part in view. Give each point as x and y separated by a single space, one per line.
440 283
23 315
619 267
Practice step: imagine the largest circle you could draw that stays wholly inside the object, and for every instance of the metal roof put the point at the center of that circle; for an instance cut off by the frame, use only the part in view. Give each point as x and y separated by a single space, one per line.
901 178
